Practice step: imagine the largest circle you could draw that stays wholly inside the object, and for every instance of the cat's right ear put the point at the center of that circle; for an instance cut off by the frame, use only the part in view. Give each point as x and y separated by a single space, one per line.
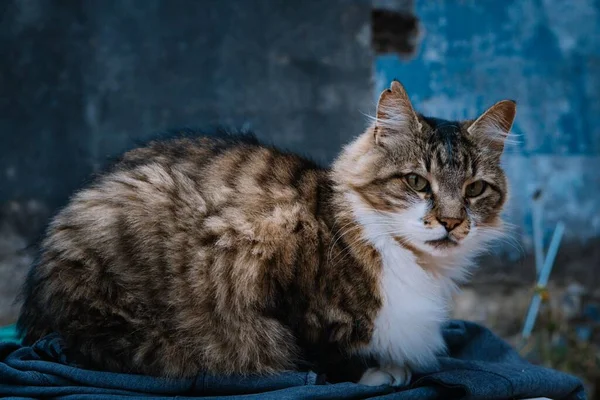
493 126
395 113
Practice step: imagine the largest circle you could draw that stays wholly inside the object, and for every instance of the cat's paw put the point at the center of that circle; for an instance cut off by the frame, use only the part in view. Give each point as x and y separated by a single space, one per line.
402 375
393 376
376 377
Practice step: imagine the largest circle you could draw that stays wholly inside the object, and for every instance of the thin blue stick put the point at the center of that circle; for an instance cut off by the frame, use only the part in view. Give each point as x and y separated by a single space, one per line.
538 234
551 255
544 275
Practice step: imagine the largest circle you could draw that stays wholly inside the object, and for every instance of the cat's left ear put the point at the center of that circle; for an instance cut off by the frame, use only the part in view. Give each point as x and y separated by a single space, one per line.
395 114
493 126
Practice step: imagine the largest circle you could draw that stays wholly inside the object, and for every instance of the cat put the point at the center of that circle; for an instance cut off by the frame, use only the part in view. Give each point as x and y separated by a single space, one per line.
227 256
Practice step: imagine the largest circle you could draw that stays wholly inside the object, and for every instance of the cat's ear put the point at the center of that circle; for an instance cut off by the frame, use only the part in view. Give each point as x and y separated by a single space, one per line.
493 126
395 113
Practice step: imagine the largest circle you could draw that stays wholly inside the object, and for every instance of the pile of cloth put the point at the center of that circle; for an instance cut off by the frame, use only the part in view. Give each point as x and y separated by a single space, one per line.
479 365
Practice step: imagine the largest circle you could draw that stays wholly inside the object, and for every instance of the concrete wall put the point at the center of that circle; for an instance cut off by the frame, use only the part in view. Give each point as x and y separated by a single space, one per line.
544 54
79 80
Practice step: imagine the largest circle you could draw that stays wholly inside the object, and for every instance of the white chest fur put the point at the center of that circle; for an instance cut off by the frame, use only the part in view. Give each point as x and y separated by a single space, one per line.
407 328
415 303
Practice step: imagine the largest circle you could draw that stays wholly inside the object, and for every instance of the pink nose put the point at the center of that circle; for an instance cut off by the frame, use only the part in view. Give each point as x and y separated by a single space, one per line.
450 223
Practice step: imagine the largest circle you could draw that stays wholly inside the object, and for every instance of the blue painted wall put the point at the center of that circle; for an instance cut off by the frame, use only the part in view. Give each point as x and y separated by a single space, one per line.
545 54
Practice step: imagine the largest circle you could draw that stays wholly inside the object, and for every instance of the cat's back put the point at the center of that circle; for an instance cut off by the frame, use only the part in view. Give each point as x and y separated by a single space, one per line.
223 169
156 192
175 182
232 178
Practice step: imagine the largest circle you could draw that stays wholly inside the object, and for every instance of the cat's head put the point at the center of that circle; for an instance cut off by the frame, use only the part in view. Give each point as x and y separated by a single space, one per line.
435 186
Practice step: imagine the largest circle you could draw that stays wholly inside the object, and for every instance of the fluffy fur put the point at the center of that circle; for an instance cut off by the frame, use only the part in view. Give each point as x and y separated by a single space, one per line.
224 255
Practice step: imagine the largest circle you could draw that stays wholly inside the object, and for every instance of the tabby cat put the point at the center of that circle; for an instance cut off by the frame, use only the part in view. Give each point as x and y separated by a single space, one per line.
227 256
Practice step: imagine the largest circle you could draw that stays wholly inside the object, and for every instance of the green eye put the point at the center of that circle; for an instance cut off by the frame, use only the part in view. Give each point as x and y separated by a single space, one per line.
417 182
476 188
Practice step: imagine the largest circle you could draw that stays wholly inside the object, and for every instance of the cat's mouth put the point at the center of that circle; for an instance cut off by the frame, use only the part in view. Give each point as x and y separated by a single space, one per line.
443 243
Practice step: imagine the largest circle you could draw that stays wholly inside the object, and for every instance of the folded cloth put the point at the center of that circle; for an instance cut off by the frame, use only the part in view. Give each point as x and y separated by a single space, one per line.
479 365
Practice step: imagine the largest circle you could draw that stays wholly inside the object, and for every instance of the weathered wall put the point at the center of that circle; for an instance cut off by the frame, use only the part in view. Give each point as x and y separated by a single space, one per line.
80 80
544 54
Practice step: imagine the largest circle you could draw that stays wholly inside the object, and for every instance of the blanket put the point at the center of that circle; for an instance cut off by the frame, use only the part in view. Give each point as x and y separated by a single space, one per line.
478 365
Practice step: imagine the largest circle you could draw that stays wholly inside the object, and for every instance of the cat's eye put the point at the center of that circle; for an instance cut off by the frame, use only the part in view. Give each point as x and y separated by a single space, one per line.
417 182
475 189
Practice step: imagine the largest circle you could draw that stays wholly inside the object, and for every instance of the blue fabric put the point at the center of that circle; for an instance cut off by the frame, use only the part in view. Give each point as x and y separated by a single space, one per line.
479 366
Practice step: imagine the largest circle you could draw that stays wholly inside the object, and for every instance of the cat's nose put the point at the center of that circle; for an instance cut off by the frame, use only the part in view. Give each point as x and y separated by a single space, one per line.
450 223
